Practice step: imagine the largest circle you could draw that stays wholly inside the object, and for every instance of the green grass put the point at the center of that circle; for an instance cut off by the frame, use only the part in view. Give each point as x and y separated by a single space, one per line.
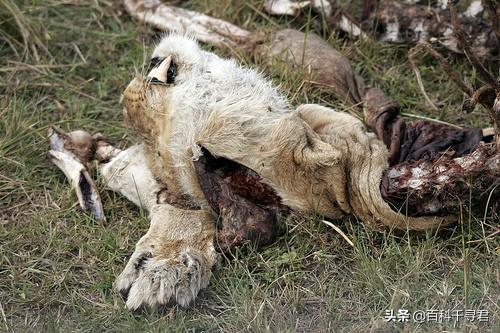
66 63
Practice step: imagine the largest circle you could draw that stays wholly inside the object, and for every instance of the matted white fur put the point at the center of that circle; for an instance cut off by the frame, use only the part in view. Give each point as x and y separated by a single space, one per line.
126 173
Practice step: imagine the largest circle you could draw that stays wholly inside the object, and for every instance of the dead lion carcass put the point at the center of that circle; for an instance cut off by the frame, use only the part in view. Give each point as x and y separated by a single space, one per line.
412 142
220 141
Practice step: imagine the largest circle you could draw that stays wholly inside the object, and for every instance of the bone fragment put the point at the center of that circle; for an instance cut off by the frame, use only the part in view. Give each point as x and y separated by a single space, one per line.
203 27
285 7
70 153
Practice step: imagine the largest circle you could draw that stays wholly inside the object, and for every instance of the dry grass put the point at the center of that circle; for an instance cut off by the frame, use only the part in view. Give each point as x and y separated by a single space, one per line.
66 62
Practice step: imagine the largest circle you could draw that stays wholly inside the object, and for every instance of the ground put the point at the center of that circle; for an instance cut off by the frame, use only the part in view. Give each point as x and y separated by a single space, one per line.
66 63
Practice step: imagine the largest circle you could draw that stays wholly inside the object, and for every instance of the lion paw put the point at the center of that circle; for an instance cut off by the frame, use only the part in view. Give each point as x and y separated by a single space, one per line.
156 280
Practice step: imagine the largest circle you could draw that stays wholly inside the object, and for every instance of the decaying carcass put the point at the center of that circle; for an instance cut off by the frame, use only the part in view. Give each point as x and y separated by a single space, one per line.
219 141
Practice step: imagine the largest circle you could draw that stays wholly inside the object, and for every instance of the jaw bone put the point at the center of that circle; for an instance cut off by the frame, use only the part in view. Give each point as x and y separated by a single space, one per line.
124 171
71 152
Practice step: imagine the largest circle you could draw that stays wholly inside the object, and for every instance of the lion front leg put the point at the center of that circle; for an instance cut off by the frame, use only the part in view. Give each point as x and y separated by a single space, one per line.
172 262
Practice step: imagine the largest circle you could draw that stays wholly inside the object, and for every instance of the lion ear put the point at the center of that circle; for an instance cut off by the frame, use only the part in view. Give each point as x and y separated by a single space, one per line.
314 153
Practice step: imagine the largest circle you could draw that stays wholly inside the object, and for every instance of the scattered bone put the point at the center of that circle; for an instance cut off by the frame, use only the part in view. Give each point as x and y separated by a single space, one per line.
294 7
401 22
71 152
466 41
475 8
285 7
405 22
443 4
336 17
323 7
487 94
205 28
349 26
